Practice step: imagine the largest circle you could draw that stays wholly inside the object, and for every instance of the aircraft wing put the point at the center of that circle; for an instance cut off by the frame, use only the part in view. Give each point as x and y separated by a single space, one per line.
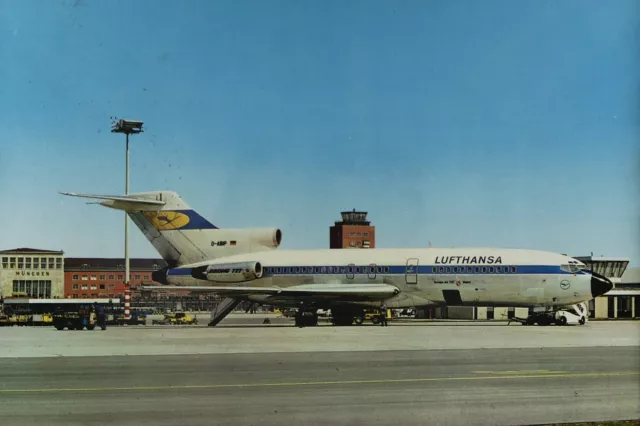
350 292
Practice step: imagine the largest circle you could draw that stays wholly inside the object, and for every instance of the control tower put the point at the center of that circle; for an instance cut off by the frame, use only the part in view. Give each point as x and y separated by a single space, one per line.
353 231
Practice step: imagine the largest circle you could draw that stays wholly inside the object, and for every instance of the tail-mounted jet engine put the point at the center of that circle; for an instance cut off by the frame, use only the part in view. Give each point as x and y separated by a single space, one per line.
229 272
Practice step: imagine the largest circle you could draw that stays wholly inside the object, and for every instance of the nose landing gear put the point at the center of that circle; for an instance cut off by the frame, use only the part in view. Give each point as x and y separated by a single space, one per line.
575 314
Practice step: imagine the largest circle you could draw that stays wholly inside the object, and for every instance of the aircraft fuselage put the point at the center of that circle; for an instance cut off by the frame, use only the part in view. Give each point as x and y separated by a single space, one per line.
465 276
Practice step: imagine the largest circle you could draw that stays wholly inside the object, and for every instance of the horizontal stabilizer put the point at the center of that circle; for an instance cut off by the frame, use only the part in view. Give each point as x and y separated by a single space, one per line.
121 202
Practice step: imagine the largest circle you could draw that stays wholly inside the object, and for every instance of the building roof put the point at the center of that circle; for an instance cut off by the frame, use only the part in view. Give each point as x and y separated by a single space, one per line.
29 250
101 263
601 259
63 301
631 276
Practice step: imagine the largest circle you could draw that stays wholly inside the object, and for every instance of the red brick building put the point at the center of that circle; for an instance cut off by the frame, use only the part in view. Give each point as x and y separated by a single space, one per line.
86 277
354 231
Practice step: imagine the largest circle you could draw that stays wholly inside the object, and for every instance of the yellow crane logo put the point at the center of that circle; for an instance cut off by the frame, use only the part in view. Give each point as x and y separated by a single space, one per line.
167 220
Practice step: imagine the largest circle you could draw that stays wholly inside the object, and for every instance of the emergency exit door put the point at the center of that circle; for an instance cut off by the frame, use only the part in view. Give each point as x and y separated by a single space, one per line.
411 271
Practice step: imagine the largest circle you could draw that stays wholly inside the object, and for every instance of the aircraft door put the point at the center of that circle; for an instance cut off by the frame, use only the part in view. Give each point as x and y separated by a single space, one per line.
411 271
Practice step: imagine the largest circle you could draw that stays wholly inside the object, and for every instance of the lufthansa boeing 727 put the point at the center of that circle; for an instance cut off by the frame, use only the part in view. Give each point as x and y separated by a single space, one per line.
243 265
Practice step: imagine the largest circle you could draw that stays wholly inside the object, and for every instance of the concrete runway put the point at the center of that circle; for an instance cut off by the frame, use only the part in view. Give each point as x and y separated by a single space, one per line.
443 387
441 373
174 340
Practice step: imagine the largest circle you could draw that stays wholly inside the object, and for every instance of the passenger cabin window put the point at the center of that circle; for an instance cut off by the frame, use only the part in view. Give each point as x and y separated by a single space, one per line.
498 269
491 269
484 269
513 269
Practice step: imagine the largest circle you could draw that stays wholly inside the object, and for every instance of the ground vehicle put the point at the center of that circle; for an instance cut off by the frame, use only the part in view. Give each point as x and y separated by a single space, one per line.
4 320
136 318
74 320
372 315
176 318
289 313
575 314
74 314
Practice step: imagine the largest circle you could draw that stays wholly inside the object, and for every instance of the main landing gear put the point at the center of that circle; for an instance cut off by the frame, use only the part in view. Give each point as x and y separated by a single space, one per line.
306 317
346 316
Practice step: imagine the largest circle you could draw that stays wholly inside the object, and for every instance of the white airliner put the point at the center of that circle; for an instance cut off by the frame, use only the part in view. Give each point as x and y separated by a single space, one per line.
243 265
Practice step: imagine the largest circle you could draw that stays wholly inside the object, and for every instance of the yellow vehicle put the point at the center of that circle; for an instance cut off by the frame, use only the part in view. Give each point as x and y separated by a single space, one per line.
177 318
372 315
135 318
4 320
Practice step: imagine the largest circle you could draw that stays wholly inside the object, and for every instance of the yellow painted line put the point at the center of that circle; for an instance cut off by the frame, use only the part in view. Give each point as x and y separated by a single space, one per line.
337 382
518 372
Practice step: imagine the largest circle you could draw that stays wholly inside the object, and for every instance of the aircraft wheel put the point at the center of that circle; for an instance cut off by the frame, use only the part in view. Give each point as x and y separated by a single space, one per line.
358 320
562 320
582 321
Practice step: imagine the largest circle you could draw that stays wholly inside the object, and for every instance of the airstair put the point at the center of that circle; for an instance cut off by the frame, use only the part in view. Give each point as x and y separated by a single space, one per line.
222 310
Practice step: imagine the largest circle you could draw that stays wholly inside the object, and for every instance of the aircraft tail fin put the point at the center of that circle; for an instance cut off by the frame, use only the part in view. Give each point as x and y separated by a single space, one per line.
181 235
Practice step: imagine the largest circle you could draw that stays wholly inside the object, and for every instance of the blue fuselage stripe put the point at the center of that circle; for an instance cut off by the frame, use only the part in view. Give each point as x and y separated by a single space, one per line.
275 271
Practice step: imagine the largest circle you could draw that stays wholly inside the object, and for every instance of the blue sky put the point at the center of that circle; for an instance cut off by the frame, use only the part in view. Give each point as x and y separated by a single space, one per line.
462 123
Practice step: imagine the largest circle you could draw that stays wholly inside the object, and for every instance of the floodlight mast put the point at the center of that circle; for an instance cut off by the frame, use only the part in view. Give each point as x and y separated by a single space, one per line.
128 127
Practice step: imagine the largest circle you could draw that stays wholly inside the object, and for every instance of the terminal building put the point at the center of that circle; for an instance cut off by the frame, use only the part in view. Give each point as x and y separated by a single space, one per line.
32 272
354 231
86 277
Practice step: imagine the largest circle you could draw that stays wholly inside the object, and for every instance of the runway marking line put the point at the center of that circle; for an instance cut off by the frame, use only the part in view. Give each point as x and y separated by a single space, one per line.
337 382
519 372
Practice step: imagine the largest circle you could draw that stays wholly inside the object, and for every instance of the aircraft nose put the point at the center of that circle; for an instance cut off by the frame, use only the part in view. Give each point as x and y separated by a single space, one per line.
600 284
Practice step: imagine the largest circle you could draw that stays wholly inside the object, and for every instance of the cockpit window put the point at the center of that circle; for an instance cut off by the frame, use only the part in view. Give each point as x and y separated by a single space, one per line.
570 268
